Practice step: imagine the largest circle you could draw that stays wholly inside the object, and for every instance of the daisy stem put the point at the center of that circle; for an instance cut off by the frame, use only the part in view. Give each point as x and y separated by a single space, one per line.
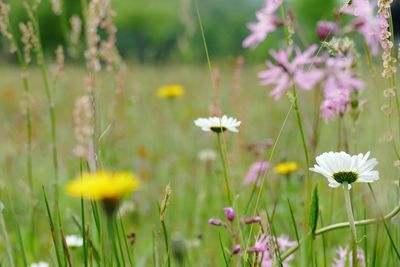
351 221
224 167
341 225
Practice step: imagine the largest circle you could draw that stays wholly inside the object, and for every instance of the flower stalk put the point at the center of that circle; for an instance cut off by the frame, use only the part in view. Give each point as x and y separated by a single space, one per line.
224 167
341 225
350 216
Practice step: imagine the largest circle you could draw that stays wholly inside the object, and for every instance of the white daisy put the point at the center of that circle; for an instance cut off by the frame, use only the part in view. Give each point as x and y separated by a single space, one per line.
74 241
39 264
217 124
340 167
207 155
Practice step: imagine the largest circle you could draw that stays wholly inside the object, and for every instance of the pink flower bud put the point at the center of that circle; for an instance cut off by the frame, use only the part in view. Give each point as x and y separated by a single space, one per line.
326 29
256 219
229 213
236 249
215 221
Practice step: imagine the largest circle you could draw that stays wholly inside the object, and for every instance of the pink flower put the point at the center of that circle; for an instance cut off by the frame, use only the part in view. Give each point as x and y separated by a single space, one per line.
257 169
326 29
344 255
262 246
287 73
366 22
339 83
266 22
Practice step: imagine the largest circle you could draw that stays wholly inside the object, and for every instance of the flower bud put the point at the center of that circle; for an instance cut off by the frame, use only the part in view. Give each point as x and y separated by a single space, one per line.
215 221
326 29
236 249
229 213
251 220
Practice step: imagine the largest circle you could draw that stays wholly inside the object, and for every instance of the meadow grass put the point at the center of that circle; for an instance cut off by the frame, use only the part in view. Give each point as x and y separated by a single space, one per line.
156 139
91 122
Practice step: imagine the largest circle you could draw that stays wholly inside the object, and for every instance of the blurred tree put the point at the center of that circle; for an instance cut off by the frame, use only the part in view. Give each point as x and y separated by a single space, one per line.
157 31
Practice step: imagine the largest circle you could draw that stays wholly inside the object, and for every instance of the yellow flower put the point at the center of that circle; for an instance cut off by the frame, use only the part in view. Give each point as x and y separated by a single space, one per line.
170 91
286 168
103 185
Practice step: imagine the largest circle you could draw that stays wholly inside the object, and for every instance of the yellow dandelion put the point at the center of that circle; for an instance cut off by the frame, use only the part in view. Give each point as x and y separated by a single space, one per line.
170 91
109 187
286 168
103 185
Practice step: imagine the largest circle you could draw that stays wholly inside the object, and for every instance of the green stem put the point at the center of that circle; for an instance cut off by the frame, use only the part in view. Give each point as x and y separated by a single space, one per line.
28 117
28 126
250 235
224 167
302 133
50 102
307 252
350 216
166 242
85 258
341 225
83 222
6 238
112 242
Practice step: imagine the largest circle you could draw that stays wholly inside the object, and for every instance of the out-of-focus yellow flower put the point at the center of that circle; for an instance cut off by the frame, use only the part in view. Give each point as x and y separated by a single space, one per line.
286 168
170 91
103 185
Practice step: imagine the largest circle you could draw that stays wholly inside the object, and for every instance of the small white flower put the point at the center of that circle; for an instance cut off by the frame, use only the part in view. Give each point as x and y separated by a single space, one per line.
217 124
74 241
39 264
125 208
340 167
207 155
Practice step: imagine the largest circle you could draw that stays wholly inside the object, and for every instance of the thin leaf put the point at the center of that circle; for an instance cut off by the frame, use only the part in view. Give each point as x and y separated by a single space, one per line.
223 250
393 244
314 211
52 228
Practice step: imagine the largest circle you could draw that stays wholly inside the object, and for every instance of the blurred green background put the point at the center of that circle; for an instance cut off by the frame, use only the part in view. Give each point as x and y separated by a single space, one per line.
157 31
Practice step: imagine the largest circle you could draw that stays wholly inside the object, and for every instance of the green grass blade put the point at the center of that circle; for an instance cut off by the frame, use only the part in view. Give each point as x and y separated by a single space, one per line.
392 243
222 250
52 229
131 261
19 235
293 222
121 251
314 210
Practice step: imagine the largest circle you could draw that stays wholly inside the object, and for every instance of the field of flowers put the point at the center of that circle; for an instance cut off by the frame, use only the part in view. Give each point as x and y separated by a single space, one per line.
293 161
